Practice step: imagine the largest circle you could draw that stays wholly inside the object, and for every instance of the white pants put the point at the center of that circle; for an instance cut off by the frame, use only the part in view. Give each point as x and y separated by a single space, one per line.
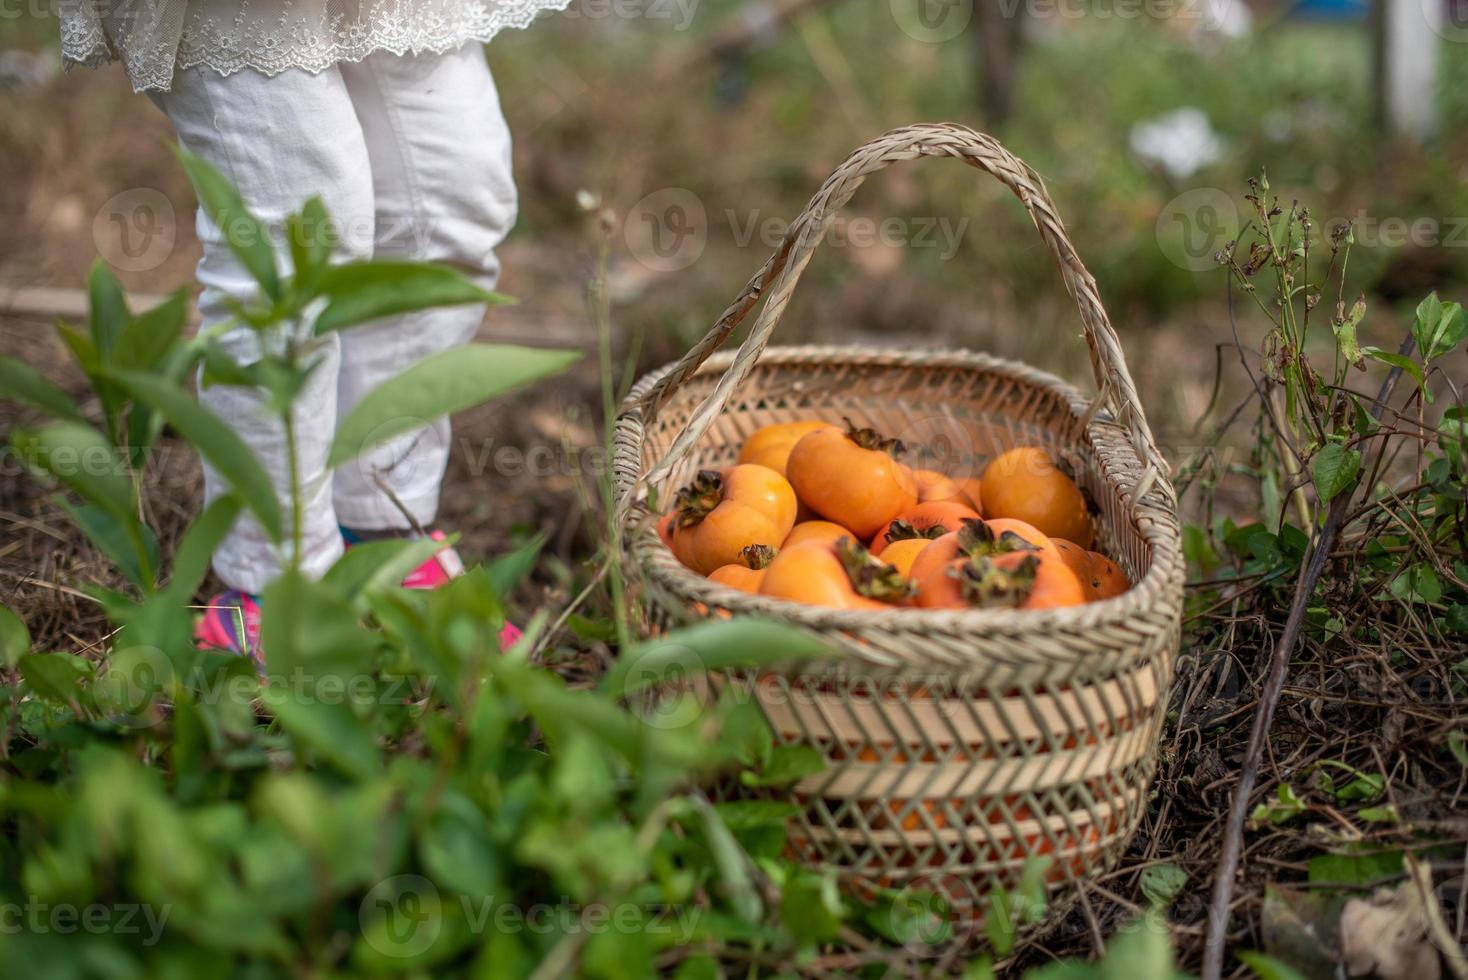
412 157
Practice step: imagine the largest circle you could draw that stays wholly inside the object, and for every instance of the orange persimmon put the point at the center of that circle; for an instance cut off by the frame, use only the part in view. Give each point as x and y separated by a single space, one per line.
722 512
748 572
1025 484
930 520
851 477
771 445
843 575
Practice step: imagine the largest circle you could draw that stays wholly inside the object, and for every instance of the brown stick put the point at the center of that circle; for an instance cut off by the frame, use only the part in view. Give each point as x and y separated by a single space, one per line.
1233 835
1279 662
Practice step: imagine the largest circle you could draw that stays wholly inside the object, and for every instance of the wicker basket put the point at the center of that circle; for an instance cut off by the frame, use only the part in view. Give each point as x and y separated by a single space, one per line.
959 745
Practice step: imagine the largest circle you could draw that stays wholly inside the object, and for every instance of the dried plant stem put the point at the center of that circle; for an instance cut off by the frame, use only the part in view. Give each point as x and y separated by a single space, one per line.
1437 927
1233 835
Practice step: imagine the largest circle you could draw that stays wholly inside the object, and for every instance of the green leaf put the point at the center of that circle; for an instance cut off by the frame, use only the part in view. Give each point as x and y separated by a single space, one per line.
509 569
788 764
107 311
360 291
1457 745
612 954
310 633
810 907
914 917
1379 814
391 571
979 969
1334 469
1438 327
1400 361
1345 332
457 851
19 382
312 240
82 349
1161 883
118 540
15 639
216 441
440 385
1141 951
700 966
711 646
243 232
729 859
745 814
1451 330
999 923
1361 421
1354 869
54 676
1419 583
148 337
1285 807
374 565
196 550
1266 967
327 727
81 459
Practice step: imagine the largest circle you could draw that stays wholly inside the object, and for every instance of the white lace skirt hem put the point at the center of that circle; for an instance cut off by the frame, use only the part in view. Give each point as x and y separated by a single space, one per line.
269 47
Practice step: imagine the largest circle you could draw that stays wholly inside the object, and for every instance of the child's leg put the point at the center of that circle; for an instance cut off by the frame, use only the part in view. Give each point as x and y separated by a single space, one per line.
440 155
279 140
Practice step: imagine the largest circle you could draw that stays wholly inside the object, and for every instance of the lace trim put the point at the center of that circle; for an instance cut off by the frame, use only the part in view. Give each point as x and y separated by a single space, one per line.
273 44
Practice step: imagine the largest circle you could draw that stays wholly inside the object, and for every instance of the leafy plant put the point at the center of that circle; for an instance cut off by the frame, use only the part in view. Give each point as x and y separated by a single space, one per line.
1361 546
397 794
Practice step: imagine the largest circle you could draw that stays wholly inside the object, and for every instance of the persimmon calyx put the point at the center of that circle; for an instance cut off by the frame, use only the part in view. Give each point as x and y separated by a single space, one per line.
868 438
901 530
984 585
870 576
978 540
697 500
758 556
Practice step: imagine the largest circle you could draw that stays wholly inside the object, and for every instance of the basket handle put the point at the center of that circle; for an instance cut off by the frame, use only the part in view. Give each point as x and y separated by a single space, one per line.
1115 388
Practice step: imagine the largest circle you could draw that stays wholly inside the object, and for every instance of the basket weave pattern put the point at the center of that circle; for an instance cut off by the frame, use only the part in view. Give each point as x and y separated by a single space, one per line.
959 745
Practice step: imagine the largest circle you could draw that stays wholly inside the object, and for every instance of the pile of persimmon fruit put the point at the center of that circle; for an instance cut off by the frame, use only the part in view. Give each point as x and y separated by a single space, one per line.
829 515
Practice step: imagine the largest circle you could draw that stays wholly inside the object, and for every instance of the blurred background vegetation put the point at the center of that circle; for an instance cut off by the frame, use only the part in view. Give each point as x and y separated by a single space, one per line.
624 101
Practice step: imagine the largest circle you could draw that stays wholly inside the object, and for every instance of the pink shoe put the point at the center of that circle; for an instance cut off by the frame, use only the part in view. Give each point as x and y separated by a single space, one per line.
443 567
509 636
231 624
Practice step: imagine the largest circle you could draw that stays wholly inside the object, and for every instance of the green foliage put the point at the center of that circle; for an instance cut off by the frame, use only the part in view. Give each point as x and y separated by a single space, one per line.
439 385
1162 883
394 793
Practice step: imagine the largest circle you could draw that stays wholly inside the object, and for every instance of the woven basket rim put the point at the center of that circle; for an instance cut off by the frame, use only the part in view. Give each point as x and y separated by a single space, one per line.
1154 516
